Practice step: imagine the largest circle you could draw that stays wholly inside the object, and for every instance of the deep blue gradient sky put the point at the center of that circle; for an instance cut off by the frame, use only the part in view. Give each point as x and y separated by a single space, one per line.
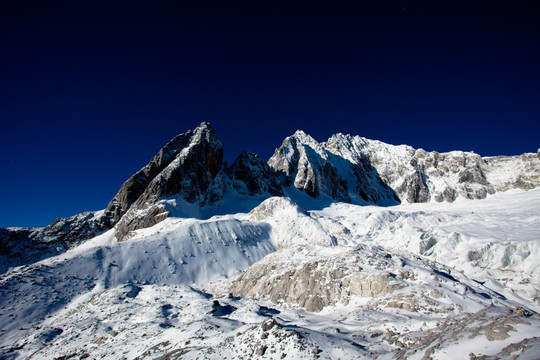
90 91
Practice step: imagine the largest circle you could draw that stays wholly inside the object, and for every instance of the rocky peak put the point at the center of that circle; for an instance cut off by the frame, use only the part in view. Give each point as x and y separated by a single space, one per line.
252 176
185 167
417 175
314 168
304 138
344 168
19 246
302 160
134 187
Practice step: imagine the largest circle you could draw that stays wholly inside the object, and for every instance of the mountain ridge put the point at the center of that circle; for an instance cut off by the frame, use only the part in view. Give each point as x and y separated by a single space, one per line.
343 168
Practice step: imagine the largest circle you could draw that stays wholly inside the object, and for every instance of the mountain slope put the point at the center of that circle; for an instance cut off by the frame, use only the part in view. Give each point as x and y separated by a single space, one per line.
371 291
294 258
355 169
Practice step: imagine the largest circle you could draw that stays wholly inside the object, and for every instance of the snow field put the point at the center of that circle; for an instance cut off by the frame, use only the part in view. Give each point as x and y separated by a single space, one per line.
466 278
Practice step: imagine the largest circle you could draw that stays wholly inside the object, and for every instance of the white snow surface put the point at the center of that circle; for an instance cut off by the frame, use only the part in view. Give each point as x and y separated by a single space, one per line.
469 274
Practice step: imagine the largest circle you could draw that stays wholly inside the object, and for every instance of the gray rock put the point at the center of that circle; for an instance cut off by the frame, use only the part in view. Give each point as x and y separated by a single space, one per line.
19 246
184 168
252 176
316 170
345 168
314 284
136 185
348 168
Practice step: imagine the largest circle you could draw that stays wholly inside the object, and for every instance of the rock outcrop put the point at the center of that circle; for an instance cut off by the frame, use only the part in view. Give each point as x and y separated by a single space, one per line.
311 167
184 168
355 169
136 185
250 175
19 246
513 172
312 281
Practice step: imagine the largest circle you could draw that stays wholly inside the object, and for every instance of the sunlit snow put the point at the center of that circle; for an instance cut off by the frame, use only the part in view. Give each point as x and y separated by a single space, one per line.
466 275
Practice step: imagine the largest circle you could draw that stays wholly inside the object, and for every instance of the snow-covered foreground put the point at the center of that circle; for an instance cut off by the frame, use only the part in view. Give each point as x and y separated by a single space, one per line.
408 281
494 241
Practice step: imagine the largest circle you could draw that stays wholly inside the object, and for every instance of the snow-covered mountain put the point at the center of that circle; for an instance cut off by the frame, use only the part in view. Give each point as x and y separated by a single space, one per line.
355 169
350 248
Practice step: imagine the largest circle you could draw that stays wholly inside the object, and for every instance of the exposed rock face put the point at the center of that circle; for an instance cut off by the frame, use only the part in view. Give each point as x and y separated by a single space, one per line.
135 186
250 175
345 168
20 246
350 168
185 167
189 168
312 284
420 176
74 229
513 172
311 167
304 162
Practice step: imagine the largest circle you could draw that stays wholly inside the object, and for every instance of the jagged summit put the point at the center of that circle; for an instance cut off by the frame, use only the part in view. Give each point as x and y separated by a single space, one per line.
185 167
188 171
171 158
311 167
356 169
303 137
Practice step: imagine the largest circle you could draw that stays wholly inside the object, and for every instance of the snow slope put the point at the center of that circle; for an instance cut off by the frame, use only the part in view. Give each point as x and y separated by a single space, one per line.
408 281
175 251
496 240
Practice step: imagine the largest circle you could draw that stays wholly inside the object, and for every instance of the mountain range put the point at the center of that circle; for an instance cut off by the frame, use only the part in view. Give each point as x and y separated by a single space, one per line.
349 248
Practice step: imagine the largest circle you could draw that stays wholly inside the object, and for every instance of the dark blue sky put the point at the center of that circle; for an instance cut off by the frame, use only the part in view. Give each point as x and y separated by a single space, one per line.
90 91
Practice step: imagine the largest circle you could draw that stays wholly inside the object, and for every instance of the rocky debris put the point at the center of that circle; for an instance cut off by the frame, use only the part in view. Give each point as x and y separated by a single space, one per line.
221 310
314 277
526 349
250 342
489 323
268 324
75 229
274 343
17 248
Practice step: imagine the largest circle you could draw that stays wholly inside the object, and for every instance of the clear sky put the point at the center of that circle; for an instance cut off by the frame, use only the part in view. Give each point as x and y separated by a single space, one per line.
90 91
